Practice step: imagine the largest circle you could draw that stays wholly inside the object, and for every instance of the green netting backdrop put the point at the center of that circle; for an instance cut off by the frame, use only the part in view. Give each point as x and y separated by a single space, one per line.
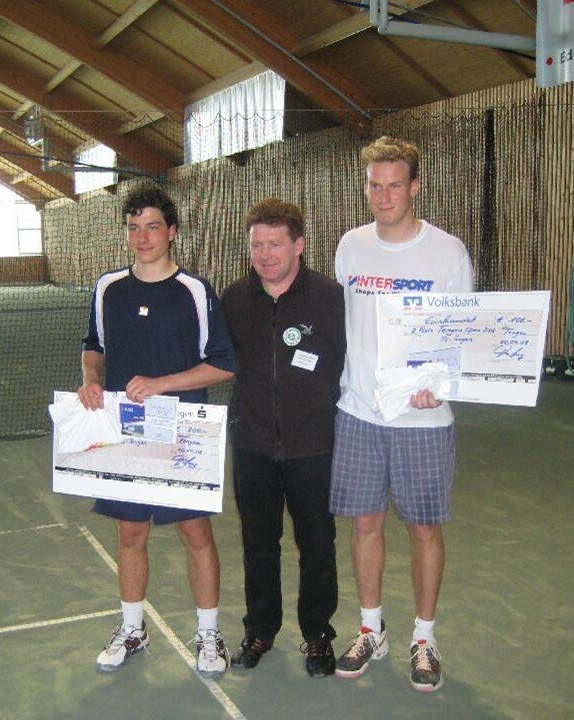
487 176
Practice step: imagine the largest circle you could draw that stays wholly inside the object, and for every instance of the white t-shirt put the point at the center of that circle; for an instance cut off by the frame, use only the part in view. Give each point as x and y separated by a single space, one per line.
366 266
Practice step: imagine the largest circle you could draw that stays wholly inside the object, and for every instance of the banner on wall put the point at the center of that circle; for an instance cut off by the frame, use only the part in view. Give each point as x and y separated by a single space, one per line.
554 42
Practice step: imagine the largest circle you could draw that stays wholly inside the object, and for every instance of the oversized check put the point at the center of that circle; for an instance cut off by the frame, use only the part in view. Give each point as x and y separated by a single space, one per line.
492 343
187 473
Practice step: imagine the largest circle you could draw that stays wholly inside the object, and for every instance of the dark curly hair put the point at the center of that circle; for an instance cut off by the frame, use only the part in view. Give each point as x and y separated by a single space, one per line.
148 195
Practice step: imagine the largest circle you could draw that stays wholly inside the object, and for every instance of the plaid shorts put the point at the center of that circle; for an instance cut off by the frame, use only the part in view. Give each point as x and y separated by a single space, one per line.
416 465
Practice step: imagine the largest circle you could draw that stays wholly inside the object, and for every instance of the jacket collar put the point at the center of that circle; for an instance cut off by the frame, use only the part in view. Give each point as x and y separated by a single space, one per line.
257 286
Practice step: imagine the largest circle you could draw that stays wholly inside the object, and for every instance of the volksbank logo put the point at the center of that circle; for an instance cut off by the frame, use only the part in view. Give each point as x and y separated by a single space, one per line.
440 302
410 301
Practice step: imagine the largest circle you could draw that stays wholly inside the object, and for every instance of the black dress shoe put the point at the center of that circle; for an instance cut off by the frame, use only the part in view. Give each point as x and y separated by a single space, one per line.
249 653
320 660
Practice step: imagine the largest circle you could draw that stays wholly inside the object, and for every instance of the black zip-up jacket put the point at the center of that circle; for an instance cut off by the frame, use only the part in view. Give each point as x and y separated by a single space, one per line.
279 409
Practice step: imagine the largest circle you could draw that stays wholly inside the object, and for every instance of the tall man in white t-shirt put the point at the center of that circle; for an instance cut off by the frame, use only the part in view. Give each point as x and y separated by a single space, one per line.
410 459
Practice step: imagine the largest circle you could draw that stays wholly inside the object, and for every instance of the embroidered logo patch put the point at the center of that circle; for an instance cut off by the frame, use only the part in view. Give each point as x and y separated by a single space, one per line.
292 337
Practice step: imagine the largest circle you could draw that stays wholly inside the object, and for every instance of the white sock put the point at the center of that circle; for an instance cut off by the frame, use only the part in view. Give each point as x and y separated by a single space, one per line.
424 630
207 618
133 613
372 618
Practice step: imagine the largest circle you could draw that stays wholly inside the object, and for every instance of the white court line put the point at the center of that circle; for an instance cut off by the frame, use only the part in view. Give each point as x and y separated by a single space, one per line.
32 529
56 621
228 705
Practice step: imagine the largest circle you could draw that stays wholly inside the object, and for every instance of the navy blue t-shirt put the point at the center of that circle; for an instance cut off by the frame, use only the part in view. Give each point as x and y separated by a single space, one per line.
158 328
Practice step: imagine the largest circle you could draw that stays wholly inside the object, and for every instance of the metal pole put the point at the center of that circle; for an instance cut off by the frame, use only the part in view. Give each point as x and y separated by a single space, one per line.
501 41
374 13
384 13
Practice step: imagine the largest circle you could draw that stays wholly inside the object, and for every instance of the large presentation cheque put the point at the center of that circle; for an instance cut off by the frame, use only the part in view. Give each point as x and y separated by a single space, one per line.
492 343
185 473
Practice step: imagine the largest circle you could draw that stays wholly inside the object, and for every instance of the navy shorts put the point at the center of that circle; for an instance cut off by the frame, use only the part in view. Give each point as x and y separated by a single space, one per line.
135 512
414 466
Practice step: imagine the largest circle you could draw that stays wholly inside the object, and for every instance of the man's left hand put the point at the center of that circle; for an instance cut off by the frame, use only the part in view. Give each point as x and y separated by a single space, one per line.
425 400
140 387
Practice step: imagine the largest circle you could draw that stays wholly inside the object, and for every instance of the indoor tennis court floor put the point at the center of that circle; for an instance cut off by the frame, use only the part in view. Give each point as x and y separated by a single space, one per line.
505 622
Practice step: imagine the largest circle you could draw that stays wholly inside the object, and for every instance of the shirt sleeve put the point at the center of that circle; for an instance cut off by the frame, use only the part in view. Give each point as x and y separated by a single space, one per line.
339 272
91 340
462 280
219 347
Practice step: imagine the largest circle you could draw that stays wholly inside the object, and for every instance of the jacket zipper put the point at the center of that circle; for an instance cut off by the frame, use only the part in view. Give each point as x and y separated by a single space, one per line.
275 390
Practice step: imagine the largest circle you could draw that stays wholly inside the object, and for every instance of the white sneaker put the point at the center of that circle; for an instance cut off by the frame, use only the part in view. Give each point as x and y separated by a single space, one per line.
212 653
426 673
125 641
368 645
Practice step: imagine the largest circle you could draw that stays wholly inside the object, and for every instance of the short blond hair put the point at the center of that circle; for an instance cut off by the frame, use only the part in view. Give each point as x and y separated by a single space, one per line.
391 149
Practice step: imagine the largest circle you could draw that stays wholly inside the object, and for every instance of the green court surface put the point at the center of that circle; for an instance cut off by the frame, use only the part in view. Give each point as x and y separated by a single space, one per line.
504 624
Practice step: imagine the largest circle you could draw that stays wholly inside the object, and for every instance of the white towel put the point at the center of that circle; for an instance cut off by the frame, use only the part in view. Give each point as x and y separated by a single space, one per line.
396 385
80 429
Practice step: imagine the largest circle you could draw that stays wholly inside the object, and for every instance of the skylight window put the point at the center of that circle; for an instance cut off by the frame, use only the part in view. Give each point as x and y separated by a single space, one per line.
95 168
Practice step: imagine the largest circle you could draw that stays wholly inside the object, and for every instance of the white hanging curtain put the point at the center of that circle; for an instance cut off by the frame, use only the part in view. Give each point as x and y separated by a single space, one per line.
244 116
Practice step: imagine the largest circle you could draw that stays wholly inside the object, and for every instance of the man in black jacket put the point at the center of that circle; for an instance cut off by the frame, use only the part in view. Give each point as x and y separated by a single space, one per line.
287 325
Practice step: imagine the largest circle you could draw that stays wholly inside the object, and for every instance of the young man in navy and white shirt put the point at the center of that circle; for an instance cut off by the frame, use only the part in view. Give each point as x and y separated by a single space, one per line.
156 329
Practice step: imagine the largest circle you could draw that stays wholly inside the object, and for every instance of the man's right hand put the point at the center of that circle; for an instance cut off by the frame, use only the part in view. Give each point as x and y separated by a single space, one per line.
91 395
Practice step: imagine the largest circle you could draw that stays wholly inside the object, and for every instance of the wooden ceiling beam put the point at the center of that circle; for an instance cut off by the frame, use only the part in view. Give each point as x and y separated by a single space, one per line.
116 28
11 126
53 27
356 23
29 193
88 119
29 160
20 177
242 22
133 13
22 110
